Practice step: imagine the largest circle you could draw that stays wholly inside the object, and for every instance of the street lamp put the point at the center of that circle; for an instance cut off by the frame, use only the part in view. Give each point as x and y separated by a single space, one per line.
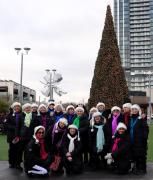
51 82
21 51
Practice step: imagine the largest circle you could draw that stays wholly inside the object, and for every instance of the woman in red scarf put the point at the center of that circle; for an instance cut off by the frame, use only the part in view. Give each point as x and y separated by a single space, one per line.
37 159
120 150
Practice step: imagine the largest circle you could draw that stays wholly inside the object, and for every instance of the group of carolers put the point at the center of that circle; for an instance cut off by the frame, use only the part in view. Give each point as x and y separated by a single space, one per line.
49 139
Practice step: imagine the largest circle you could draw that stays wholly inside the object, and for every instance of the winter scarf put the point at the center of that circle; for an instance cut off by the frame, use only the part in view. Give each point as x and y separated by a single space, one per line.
100 140
43 153
77 121
27 119
71 145
114 124
58 116
132 125
43 121
126 117
115 145
70 118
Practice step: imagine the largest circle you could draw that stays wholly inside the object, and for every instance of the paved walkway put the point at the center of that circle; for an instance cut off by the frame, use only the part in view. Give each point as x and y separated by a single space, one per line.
12 174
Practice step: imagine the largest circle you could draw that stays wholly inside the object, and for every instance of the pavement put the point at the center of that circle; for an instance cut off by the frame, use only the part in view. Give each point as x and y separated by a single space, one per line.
13 174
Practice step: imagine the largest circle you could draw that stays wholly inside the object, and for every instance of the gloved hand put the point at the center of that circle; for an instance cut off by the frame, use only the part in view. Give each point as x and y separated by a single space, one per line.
108 156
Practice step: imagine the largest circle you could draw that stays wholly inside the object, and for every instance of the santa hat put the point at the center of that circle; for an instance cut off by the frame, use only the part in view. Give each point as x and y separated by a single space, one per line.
79 109
34 105
116 108
15 104
100 104
96 114
70 107
136 106
26 105
121 125
127 105
42 105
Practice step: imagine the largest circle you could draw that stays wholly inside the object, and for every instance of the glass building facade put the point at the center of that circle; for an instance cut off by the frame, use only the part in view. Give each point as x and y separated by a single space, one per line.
134 29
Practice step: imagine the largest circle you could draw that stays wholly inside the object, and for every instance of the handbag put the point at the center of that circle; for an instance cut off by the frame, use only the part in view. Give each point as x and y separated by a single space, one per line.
55 165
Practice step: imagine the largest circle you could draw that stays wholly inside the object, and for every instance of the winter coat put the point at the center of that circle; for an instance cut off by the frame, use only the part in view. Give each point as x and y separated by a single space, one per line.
33 157
37 121
93 140
121 155
57 116
140 134
13 127
76 165
83 132
69 118
109 128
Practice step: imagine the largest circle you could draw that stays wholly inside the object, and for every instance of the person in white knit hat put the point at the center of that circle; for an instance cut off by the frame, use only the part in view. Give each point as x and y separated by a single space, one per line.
72 151
55 138
126 113
102 109
13 135
97 139
81 121
37 158
139 130
70 114
34 107
91 112
120 152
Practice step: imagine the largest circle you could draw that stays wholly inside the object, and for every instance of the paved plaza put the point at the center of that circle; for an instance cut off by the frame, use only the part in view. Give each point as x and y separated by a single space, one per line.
12 174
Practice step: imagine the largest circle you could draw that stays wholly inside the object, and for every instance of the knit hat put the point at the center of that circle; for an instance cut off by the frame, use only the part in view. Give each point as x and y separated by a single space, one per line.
37 128
34 105
25 106
75 127
116 108
93 109
15 104
58 106
100 104
79 109
70 107
96 114
51 102
42 105
127 105
64 121
121 125
136 106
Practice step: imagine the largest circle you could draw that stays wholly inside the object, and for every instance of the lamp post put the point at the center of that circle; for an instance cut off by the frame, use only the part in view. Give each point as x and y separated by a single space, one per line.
51 81
21 51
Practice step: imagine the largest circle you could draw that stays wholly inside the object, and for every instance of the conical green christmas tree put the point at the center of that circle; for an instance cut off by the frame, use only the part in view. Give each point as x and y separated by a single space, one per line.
108 83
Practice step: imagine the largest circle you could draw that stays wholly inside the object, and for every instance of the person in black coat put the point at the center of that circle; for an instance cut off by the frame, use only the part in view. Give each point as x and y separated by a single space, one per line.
37 159
138 130
72 151
97 142
34 107
43 118
101 108
70 114
13 134
112 123
120 154
55 138
81 121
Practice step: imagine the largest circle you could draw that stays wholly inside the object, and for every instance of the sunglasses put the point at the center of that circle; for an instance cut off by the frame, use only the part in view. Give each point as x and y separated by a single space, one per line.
40 132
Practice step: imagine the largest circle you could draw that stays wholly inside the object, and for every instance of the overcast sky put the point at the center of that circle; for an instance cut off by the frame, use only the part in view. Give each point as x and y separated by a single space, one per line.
62 34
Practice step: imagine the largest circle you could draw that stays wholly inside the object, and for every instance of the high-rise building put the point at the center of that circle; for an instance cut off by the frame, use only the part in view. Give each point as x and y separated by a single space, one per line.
134 29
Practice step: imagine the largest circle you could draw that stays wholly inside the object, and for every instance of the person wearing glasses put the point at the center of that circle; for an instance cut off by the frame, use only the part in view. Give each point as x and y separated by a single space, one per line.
37 158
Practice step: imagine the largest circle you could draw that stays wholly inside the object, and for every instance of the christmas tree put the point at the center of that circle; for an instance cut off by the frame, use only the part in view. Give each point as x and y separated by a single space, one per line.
108 83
